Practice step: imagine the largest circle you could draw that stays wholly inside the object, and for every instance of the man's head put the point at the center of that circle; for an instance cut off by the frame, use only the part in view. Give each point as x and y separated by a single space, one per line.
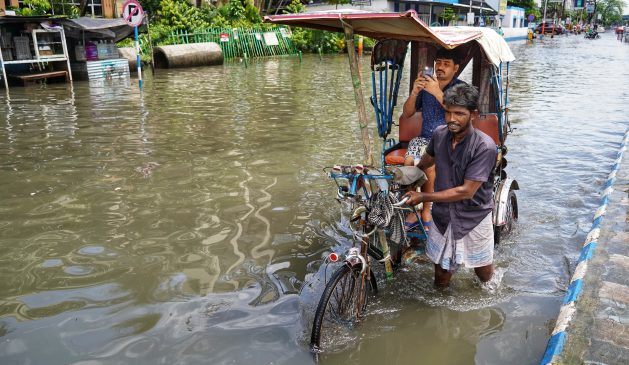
447 63
461 105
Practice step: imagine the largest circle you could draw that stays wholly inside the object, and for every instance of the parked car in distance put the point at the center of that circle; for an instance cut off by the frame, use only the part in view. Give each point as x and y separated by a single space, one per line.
549 28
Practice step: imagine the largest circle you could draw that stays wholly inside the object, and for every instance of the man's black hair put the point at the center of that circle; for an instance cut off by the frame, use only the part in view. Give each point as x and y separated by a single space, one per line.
449 54
462 95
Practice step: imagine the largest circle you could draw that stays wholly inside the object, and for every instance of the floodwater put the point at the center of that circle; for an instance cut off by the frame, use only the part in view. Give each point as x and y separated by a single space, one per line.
186 224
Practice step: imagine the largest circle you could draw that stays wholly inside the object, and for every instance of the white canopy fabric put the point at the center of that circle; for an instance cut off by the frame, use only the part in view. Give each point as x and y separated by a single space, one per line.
405 26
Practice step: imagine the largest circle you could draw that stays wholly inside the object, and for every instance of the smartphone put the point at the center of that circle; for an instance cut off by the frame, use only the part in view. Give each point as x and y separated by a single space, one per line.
428 71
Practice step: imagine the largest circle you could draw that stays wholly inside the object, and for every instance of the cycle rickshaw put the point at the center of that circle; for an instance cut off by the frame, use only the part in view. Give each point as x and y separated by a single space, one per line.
368 188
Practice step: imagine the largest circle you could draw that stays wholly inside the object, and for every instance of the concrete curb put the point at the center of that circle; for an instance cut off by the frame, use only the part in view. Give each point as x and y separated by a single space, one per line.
566 313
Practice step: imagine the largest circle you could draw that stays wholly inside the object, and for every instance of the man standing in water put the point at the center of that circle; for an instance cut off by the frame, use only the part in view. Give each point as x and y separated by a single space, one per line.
464 159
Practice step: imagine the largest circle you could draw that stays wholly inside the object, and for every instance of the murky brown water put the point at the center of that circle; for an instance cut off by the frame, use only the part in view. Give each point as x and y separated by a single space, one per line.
186 224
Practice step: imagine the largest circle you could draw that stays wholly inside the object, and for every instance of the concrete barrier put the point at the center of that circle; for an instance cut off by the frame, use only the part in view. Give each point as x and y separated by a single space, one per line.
188 55
129 54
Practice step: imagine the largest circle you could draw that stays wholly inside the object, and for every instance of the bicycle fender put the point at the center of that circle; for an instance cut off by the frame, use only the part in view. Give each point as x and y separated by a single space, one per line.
501 194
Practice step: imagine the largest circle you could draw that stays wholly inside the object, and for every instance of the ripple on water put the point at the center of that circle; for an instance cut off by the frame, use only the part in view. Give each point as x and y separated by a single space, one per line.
91 250
208 221
52 263
76 270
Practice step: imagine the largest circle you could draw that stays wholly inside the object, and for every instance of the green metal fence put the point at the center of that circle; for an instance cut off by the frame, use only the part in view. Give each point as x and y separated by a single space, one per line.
242 42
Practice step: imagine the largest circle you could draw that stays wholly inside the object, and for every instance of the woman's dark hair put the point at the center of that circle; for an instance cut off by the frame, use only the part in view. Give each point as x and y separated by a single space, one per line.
449 54
462 95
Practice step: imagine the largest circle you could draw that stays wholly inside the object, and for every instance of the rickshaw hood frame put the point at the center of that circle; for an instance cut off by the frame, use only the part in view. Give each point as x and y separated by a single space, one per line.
406 26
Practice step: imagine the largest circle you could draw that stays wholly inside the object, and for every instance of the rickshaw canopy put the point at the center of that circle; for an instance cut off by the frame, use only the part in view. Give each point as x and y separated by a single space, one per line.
406 26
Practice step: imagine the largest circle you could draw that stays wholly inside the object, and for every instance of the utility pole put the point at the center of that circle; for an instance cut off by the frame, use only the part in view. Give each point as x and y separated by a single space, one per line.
544 18
563 8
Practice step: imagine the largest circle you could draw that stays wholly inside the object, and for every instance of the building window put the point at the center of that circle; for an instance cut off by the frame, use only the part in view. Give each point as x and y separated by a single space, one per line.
93 8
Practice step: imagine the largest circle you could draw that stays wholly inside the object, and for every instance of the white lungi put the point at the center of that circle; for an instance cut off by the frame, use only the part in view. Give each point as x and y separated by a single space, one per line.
476 249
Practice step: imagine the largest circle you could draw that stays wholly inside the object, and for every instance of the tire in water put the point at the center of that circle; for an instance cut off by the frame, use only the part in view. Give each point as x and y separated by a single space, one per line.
342 304
502 232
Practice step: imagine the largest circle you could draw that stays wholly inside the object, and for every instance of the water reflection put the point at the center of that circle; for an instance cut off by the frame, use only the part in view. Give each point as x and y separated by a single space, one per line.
430 336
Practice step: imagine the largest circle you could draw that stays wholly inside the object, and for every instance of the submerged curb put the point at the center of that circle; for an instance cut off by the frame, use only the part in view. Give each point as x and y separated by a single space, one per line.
568 308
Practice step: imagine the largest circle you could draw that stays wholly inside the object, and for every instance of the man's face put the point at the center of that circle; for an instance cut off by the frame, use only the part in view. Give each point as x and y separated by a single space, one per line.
458 119
445 69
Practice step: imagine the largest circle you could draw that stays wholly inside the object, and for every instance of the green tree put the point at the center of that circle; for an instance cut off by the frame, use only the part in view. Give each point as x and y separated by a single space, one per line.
336 3
179 15
529 6
447 15
295 6
150 7
611 11
35 7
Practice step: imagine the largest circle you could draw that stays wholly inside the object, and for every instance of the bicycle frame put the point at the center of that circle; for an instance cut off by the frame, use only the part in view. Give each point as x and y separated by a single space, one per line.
358 186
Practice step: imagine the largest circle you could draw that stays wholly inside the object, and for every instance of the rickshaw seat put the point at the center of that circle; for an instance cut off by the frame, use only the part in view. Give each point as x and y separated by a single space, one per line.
408 128
395 157
488 124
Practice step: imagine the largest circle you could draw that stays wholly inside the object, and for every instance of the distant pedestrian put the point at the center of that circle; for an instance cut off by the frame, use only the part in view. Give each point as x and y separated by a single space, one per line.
619 32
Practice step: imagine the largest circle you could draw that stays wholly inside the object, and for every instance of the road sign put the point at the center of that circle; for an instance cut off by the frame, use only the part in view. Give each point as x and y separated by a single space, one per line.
132 13
531 17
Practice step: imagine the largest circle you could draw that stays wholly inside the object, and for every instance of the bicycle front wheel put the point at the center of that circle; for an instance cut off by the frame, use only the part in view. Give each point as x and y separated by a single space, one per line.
341 306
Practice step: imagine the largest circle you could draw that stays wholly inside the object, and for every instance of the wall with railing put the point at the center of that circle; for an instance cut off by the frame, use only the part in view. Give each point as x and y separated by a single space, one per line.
242 42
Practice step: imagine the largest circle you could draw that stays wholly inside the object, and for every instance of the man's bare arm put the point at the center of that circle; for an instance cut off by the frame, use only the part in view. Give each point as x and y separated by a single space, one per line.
458 193
426 161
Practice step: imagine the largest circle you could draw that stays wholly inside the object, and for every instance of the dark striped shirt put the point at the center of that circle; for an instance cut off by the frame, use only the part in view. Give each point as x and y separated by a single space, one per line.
433 114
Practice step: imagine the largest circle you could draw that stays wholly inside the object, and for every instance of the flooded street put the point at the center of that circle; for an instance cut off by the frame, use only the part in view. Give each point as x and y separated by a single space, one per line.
186 224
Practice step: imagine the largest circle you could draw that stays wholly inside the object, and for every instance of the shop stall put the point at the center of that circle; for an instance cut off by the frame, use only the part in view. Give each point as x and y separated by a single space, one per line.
93 51
31 49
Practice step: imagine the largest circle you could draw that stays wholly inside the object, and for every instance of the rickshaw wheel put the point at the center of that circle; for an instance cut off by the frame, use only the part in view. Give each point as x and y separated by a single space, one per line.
342 305
502 232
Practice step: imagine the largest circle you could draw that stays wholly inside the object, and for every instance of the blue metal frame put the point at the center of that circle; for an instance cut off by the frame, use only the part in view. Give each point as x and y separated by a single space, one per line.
384 94
353 190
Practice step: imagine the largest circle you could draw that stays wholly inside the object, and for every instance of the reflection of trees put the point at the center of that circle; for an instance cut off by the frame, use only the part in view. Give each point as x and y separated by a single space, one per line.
201 196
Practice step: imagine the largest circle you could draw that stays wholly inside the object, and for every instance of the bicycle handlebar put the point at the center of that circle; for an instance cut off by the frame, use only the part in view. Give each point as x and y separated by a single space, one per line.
401 202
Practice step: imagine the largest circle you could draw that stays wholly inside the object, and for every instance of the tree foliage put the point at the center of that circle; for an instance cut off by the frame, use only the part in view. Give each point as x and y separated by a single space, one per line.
34 7
529 6
448 15
611 11
296 6
314 41
336 3
180 15
150 7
